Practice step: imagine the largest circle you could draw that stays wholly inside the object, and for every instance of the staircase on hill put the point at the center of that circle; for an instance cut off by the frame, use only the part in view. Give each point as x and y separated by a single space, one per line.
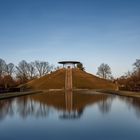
68 79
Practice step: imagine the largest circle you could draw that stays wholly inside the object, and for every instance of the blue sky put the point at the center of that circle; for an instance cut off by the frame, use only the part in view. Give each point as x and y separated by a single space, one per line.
90 31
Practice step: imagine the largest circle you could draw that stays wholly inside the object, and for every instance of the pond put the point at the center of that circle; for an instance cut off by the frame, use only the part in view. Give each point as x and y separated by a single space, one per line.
70 116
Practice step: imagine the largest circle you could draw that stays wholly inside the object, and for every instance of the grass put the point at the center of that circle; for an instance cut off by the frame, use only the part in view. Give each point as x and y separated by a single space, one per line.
84 80
54 80
81 80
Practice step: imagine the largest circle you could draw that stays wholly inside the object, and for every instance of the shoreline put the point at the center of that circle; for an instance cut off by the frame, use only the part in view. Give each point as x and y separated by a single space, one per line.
17 94
121 93
91 91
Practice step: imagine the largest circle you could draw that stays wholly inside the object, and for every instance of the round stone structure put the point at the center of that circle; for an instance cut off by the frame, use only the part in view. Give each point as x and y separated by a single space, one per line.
69 64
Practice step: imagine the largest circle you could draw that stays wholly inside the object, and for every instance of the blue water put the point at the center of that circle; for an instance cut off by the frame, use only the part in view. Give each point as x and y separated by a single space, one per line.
53 116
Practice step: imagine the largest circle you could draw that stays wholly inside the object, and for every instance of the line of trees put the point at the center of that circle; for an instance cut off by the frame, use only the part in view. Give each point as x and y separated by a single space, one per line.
12 75
131 80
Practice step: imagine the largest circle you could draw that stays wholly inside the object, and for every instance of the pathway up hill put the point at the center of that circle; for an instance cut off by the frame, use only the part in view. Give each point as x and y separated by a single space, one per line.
80 80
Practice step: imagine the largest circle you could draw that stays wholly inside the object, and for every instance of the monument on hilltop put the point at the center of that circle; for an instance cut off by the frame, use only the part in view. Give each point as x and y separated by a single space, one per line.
69 64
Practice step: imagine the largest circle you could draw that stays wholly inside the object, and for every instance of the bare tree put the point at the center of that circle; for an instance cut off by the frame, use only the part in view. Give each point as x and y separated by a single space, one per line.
104 71
22 71
8 81
57 68
42 67
131 80
31 70
2 67
26 71
10 69
137 65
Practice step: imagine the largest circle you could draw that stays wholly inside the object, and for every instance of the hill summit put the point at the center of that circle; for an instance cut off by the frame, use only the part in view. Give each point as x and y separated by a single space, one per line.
80 80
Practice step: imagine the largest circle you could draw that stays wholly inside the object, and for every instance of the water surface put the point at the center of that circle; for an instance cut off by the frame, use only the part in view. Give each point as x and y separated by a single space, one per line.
77 116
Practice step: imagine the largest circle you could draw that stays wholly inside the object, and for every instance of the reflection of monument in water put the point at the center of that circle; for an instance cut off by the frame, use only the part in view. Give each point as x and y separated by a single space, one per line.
69 100
67 105
70 112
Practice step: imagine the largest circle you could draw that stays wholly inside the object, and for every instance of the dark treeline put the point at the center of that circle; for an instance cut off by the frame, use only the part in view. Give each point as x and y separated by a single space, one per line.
12 75
131 80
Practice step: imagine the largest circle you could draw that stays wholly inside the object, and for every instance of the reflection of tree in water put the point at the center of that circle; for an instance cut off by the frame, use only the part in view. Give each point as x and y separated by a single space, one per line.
71 106
28 107
74 114
133 103
5 108
70 112
24 107
136 105
75 105
105 104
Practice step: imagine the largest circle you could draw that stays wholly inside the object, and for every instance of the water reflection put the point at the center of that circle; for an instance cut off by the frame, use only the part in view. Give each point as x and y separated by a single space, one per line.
6 108
132 103
70 112
68 105
26 106
71 105
105 104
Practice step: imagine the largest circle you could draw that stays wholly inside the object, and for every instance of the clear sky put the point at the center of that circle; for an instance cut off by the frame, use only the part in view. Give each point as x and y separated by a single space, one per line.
90 31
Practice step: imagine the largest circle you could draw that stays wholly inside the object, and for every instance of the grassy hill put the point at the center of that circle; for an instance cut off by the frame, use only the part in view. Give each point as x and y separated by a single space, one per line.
54 80
81 80
84 80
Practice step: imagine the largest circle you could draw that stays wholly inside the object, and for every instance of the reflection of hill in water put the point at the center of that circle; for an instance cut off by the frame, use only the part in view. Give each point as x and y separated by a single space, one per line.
39 105
58 100
70 106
